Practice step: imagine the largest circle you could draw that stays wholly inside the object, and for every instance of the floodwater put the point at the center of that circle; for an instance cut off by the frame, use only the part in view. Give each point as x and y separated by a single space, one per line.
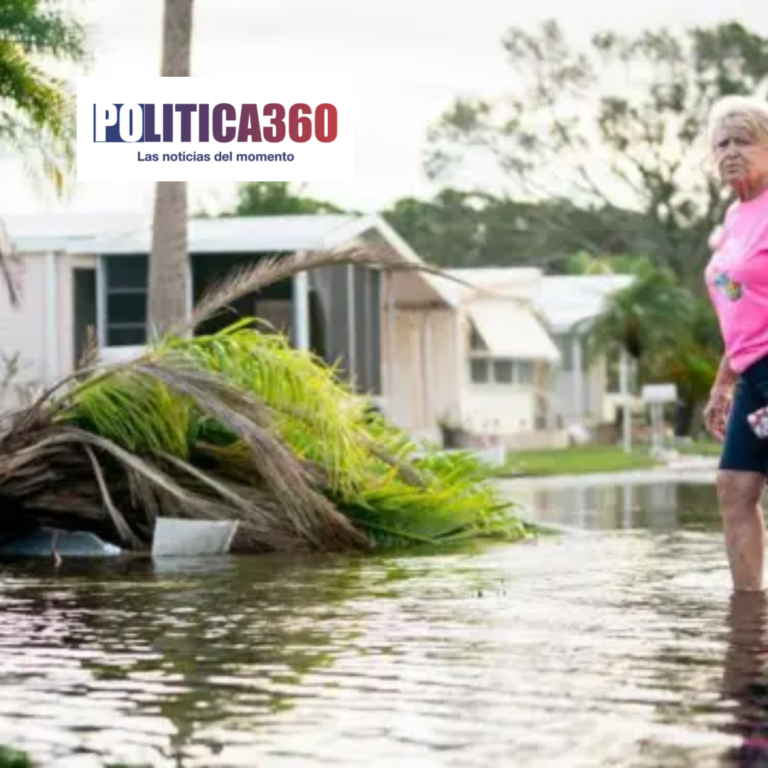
618 644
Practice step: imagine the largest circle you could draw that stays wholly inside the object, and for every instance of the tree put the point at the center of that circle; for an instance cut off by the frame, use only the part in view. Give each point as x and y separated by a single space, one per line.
616 126
448 230
169 260
645 317
672 335
274 198
37 115
690 362
463 228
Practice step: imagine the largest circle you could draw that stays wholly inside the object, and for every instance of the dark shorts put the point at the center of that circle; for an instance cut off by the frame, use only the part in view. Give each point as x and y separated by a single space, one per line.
742 450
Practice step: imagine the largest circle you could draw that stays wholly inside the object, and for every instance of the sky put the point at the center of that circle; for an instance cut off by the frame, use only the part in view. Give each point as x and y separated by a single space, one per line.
409 60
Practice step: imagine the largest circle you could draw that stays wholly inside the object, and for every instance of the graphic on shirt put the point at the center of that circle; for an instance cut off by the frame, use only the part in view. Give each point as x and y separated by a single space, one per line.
727 287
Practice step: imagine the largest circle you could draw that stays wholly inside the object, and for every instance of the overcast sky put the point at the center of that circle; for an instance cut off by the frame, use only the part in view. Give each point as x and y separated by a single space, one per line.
410 58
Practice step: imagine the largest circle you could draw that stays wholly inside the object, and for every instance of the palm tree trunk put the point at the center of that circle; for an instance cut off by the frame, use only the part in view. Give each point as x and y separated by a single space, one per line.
8 258
168 263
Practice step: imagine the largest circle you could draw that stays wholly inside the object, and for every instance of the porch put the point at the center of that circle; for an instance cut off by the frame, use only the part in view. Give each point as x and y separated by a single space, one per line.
335 312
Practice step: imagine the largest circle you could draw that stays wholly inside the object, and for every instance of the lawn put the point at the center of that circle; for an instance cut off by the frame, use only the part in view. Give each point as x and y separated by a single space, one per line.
700 448
577 460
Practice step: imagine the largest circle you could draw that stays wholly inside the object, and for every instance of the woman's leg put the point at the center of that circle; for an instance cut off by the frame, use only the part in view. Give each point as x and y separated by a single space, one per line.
740 483
739 493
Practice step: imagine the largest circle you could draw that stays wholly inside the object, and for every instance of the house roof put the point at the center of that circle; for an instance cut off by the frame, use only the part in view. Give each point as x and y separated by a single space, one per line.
115 234
508 282
248 234
565 300
561 300
59 232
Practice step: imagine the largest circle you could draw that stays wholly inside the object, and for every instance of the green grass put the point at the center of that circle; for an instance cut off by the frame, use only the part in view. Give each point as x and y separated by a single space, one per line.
700 448
577 460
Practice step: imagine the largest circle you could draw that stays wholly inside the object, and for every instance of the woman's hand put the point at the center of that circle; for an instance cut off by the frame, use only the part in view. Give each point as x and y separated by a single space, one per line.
717 411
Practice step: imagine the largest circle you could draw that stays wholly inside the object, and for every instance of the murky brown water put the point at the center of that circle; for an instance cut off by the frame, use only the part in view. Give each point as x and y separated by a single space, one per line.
621 647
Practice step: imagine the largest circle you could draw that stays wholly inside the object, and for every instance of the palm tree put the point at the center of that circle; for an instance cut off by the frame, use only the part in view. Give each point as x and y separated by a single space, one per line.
7 258
646 321
646 316
36 111
37 114
168 264
690 362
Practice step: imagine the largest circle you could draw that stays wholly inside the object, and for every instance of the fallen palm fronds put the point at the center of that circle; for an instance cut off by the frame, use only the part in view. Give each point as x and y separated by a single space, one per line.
236 425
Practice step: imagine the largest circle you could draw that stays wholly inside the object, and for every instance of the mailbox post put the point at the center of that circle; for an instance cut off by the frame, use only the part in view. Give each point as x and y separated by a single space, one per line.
656 396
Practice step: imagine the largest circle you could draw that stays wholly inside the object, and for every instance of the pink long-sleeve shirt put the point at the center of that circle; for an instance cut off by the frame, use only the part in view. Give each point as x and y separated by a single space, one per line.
737 281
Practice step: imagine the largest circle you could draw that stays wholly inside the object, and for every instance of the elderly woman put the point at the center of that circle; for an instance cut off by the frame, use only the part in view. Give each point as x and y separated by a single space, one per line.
737 281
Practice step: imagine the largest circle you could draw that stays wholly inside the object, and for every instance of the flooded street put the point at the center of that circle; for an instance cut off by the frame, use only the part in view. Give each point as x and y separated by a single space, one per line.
616 646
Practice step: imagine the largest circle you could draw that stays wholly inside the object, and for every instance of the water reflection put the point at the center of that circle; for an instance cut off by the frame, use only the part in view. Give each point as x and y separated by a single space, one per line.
131 659
663 506
744 680
619 647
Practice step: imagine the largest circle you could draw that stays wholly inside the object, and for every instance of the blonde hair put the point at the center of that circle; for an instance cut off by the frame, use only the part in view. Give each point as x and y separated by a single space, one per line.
749 111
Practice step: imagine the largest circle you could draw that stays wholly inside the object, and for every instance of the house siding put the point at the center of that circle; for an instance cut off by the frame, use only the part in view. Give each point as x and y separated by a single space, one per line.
422 388
498 410
22 328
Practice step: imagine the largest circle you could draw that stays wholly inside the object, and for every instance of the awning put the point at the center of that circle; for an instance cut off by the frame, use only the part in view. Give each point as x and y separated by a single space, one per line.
510 329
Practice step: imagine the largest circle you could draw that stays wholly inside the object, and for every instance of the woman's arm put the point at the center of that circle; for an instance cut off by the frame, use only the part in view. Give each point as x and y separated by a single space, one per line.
718 408
725 378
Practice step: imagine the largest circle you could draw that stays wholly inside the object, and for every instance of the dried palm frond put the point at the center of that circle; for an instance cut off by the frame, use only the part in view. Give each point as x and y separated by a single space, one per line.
271 465
237 425
90 354
272 269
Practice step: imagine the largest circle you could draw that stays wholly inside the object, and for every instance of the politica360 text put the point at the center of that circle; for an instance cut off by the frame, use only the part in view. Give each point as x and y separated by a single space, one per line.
220 123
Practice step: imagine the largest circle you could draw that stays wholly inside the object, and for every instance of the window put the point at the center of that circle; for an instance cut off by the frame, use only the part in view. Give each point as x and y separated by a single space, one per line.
125 300
480 371
484 368
509 371
501 370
